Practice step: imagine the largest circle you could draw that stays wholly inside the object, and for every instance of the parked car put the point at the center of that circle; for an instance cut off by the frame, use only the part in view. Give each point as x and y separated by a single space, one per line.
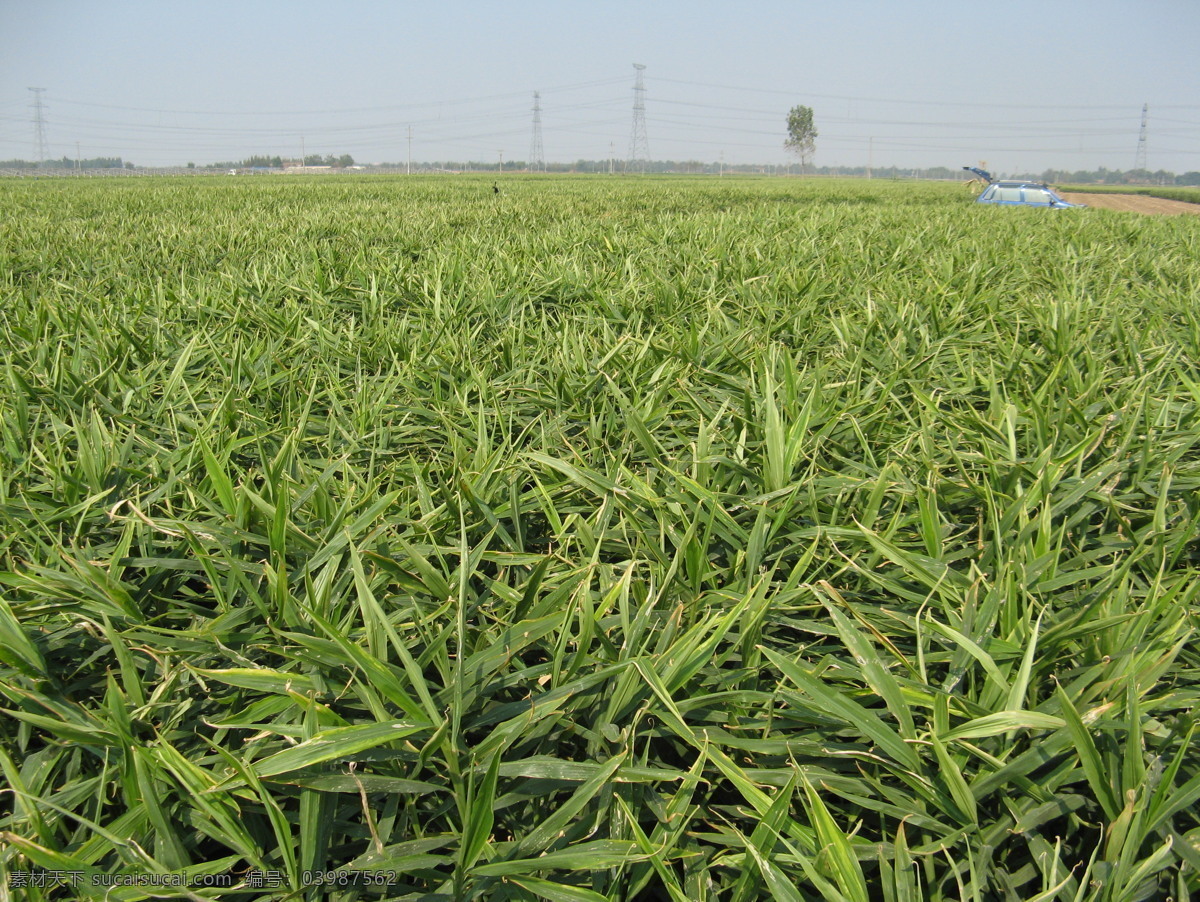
1025 194
1018 192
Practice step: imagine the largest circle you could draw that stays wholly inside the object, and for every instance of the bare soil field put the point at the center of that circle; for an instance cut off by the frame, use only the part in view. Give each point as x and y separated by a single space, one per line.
1134 203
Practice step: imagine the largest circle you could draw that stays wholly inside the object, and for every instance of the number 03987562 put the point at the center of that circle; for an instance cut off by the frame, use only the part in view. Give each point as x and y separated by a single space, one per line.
349 878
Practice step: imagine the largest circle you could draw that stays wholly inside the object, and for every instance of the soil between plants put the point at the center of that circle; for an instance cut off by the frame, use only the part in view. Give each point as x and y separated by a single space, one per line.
1134 203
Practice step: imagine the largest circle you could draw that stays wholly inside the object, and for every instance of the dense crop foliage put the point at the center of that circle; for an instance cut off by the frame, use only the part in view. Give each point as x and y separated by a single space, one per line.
600 539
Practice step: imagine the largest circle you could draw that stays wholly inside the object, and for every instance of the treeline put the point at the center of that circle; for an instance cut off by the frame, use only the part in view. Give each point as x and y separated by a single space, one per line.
1104 176
68 163
1099 176
278 162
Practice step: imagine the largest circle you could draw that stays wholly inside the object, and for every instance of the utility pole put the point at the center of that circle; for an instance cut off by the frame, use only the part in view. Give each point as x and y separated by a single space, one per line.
721 171
408 168
639 146
537 157
76 156
1139 161
870 156
501 160
612 156
303 158
39 127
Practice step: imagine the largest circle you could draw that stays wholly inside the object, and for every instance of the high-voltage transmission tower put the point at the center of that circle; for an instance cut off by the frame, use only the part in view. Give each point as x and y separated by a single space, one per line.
1139 161
537 157
639 147
39 127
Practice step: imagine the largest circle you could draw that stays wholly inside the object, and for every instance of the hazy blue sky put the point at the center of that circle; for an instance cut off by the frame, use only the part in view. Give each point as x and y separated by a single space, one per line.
1023 84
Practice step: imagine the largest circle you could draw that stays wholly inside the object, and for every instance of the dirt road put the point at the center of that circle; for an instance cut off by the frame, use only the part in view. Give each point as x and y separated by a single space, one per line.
1134 203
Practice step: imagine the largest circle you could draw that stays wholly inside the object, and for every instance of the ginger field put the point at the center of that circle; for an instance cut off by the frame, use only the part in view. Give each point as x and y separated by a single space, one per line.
377 538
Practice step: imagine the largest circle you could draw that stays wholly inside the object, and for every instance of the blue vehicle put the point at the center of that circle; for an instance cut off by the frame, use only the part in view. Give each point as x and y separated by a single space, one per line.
1018 192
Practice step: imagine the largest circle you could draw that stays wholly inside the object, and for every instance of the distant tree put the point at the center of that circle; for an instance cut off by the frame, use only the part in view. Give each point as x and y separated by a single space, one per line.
802 134
345 160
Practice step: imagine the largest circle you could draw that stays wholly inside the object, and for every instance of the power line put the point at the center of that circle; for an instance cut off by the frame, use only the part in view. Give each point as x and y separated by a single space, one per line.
581 113
388 108
973 104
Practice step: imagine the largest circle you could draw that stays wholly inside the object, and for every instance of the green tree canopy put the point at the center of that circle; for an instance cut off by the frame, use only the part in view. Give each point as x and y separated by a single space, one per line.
802 133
